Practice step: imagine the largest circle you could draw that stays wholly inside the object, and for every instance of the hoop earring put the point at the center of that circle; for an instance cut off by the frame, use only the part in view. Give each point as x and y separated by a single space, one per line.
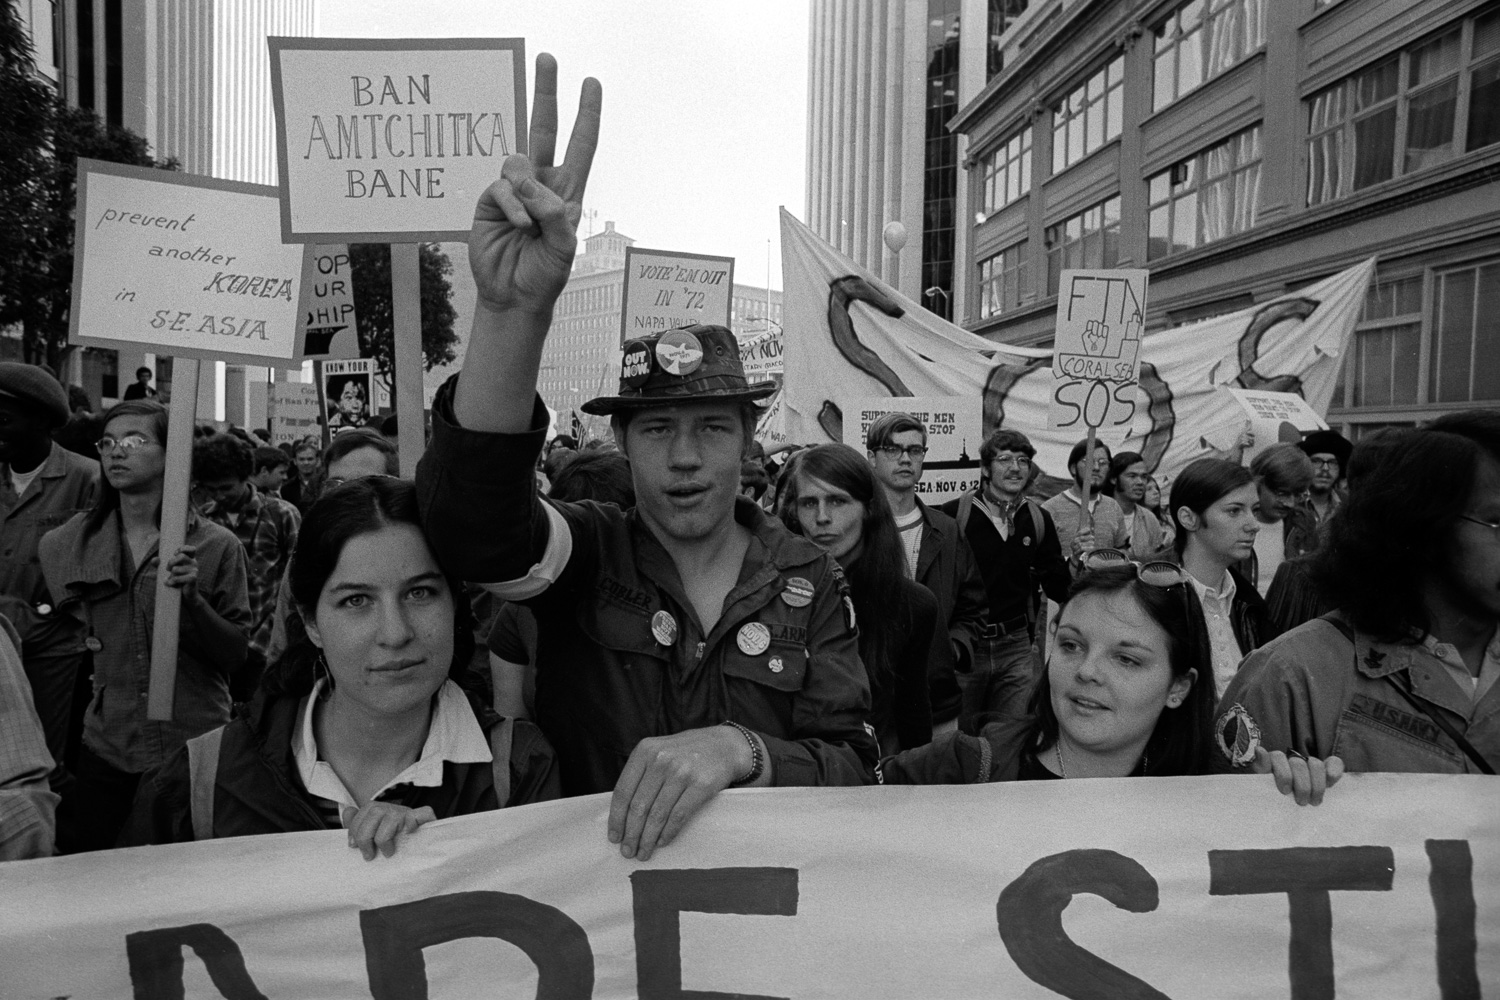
321 672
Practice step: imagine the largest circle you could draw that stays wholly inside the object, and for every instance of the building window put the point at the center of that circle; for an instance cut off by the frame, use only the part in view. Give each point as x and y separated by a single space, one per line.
1465 352
1089 239
1007 171
1002 13
1383 364
1089 117
1402 114
1206 198
1004 282
940 159
1201 40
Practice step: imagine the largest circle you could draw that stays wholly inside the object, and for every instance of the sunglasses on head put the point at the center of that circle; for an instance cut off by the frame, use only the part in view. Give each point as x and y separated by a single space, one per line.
1156 573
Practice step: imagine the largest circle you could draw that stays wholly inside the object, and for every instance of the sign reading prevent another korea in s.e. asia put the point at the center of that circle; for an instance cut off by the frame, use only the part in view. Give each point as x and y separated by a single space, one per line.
183 265
665 290
392 140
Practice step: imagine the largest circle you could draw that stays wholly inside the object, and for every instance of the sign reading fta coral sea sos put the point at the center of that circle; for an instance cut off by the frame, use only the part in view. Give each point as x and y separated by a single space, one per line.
666 290
182 265
1096 361
392 140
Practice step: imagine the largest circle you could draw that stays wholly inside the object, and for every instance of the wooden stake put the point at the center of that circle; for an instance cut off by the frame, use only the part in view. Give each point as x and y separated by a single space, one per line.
1086 516
176 481
406 323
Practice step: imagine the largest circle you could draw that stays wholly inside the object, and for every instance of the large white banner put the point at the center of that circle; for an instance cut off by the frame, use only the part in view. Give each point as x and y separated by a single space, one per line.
852 337
1212 888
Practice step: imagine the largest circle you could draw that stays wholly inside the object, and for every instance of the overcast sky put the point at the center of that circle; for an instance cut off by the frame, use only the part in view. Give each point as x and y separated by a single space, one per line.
705 107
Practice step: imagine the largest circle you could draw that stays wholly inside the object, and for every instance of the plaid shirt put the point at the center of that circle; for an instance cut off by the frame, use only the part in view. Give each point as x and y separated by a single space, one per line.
266 526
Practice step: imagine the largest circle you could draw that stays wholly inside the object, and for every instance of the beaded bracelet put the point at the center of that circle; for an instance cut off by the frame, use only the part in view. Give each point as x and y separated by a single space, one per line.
757 759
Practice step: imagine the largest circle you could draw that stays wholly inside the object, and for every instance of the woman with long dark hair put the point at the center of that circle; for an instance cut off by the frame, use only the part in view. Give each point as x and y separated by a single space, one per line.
830 495
362 723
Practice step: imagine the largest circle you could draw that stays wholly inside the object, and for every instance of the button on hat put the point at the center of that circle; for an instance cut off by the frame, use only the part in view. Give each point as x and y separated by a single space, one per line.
681 366
35 388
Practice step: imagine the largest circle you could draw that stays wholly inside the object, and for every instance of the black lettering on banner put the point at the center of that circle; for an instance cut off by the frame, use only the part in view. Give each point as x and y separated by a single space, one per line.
1030 918
1307 875
394 937
156 964
1451 883
658 899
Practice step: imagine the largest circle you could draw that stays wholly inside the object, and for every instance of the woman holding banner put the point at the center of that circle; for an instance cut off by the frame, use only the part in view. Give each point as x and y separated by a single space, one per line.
1125 694
364 723
830 495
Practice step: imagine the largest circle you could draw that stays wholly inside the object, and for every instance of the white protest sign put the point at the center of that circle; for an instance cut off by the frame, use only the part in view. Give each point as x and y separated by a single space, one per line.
182 265
761 355
1096 356
294 411
665 290
951 466
1275 417
352 392
1117 887
326 325
392 140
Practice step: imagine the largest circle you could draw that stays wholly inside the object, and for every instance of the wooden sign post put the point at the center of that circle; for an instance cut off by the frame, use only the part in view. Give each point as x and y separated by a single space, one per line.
190 267
393 141
1096 357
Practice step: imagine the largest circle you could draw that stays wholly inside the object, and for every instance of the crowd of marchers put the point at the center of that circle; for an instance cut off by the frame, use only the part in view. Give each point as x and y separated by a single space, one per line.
673 611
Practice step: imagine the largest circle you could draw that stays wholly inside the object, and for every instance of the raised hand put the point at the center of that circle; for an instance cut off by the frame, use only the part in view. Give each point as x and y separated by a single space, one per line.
526 223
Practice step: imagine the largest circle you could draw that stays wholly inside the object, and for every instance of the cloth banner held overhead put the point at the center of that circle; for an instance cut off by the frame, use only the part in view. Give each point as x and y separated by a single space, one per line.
1200 887
852 337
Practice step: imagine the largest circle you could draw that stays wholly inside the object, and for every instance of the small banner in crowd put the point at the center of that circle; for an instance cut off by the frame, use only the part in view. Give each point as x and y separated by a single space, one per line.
326 325
664 290
855 337
349 393
294 411
760 353
1142 887
951 465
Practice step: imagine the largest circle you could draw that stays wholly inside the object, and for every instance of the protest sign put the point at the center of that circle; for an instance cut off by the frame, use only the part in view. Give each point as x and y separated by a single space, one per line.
392 140
951 466
348 394
177 264
294 411
1096 352
326 325
664 290
1274 417
761 356
191 267
1140 887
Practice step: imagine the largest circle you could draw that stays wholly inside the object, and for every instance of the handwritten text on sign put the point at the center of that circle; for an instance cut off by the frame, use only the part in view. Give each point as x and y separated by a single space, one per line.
1026 890
1096 356
392 140
665 290
327 327
182 265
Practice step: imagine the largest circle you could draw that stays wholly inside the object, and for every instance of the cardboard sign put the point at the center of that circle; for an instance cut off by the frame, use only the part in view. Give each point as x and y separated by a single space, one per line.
664 290
951 466
1216 888
761 356
349 394
392 140
182 265
1275 417
1096 359
327 326
294 411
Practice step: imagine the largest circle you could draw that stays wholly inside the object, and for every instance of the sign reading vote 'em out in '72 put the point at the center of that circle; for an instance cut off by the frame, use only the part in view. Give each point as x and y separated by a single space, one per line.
392 140
665 290
1096 360
184 265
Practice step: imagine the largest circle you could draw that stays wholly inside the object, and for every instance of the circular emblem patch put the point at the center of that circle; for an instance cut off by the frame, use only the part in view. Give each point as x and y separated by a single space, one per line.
679 352
664 628
798 592
635 365
1238 735
754 639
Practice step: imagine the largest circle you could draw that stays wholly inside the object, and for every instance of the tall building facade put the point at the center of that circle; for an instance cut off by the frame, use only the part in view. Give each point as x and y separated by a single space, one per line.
885 77
582 357
1240 149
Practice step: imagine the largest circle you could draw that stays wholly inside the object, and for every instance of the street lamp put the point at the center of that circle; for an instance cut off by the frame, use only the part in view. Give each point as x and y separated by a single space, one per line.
933 292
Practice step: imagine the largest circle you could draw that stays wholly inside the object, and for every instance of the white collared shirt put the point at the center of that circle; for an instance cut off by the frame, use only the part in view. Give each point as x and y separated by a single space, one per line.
453 734
1223 644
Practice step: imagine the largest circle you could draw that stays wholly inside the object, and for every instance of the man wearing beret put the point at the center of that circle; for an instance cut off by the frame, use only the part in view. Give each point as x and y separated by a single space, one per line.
42 484
690 644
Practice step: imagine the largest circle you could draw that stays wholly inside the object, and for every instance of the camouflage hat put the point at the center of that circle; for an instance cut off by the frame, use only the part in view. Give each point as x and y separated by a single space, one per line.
681 366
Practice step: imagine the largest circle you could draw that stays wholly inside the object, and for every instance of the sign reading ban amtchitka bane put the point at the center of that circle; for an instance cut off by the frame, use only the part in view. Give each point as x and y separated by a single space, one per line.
392 140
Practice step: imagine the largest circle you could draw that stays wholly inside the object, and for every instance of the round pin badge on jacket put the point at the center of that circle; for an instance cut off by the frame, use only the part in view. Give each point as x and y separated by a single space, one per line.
798 593
664 628
679 352
754 638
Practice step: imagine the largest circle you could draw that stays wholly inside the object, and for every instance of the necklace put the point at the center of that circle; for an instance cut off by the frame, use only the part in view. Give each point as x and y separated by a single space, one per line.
1062 771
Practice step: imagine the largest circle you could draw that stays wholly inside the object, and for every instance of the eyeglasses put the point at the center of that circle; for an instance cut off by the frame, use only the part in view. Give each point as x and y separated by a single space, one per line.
895 451
1325 463
1488 524
1007 461
1157 573
127 444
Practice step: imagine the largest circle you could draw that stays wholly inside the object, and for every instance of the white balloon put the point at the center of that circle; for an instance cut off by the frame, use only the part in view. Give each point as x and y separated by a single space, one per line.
895 236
